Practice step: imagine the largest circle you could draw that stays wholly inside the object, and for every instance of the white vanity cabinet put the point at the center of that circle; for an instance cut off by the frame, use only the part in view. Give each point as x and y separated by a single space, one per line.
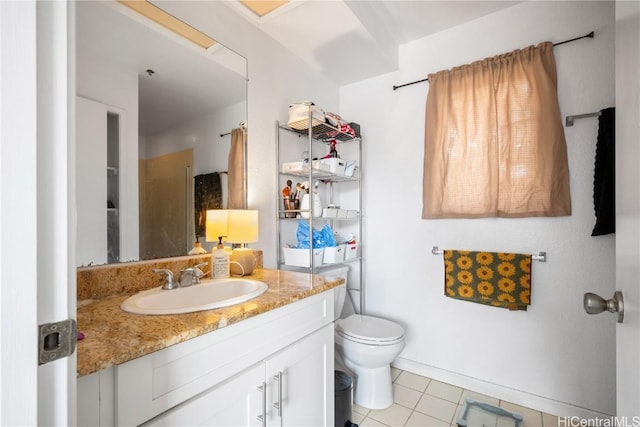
277 366
287 389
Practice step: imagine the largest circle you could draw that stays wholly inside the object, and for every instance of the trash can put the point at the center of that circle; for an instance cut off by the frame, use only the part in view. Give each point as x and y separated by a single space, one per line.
343 391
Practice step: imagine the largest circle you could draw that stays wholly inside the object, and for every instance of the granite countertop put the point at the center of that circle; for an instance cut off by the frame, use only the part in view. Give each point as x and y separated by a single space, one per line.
113 336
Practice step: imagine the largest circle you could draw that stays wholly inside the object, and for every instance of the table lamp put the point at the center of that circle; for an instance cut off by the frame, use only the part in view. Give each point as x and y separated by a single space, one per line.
217 225
242 229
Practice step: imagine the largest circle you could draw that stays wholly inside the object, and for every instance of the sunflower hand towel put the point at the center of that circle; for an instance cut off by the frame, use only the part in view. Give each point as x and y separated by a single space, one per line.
492 278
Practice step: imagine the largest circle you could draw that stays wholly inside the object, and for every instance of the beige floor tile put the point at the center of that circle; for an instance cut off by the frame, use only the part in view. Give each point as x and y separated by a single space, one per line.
549 420
413 381
394 373
394 415
418 419
356 418
444 391
405 396
531 418
439 403
479 397
368 422
360 409
437 408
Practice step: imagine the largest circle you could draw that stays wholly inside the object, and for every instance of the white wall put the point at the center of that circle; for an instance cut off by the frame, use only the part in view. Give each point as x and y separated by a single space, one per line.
118 88
210 151
552 357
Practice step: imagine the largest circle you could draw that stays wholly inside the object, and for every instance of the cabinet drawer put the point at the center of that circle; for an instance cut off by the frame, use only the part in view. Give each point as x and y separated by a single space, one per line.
152 384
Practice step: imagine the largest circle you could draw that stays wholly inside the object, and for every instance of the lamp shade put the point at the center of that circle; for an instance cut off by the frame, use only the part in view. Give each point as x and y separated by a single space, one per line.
217 224
242 226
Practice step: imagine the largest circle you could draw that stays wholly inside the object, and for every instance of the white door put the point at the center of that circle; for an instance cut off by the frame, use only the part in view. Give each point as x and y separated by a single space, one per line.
56 266
35 216
628 207
18 216
300 382
91 190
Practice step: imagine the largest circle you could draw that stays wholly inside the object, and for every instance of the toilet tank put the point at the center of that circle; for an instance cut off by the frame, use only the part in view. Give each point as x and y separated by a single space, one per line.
340 292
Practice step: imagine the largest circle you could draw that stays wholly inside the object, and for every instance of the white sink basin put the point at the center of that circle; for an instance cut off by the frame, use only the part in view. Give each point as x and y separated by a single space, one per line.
209 294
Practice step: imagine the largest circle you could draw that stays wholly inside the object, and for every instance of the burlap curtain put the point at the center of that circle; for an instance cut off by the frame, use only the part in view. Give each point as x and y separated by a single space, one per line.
236 170
494 142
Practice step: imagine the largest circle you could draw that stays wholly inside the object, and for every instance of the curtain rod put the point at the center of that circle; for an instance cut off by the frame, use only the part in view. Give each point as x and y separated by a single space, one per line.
590 35
243 126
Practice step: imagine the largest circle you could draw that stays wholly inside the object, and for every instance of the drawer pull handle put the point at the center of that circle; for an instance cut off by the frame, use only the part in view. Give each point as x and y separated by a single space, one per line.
263 418
278 404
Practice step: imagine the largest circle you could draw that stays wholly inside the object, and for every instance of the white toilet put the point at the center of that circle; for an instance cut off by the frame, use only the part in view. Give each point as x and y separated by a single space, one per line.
367 345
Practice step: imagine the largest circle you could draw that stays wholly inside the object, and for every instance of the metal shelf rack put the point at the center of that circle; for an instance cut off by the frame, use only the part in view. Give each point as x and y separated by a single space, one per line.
323 134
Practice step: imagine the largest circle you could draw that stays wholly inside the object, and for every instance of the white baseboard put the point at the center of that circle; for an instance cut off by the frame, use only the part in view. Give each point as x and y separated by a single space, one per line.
519 397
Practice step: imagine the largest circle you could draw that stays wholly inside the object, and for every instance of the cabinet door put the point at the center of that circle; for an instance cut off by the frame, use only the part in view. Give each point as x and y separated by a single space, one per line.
300 382
235 402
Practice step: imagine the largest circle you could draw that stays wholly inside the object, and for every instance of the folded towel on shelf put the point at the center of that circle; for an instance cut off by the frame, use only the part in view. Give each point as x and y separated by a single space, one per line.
338 122
491 278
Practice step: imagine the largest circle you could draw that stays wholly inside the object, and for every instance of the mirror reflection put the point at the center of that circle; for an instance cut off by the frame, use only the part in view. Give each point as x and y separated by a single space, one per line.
156 119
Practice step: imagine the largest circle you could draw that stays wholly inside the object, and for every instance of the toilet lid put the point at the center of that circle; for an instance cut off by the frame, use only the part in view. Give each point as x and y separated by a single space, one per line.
367 328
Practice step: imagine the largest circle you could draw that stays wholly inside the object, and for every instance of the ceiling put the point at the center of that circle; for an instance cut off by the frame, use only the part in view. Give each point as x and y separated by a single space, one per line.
349 41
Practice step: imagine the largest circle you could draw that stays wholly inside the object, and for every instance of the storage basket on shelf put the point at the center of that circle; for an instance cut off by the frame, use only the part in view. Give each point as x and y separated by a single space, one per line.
299 115
299 257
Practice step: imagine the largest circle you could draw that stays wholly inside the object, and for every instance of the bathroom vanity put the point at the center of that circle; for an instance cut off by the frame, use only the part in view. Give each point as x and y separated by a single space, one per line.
268 361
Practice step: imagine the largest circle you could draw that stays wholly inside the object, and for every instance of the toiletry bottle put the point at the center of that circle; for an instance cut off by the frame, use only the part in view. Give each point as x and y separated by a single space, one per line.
220 261
333 152
197 249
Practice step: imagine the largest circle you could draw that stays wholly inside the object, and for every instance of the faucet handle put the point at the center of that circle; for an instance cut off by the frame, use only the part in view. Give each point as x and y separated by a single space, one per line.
194 273
169 283
198 272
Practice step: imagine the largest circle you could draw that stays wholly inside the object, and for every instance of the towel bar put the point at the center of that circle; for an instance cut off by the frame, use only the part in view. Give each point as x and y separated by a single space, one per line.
542 256
569 120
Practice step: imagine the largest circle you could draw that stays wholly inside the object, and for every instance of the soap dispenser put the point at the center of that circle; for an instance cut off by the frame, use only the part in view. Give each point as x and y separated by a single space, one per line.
197 249
220 261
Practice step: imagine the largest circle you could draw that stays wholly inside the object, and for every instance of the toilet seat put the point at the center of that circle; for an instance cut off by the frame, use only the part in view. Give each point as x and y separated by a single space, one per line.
370 330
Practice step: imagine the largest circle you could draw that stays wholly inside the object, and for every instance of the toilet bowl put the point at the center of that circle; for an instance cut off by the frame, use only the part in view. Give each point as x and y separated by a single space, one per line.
368 345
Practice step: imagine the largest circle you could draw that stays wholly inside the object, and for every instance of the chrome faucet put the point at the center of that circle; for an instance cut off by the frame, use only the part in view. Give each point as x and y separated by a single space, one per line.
169 282
192 275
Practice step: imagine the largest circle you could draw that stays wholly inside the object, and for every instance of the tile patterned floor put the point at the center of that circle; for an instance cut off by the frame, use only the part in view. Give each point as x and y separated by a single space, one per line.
423 402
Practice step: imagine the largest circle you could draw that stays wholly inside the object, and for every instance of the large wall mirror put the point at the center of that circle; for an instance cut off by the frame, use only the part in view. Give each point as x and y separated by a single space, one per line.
156 118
